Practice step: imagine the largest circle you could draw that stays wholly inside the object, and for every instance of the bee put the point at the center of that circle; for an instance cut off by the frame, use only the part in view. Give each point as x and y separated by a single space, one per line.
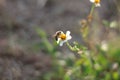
57 34
61 38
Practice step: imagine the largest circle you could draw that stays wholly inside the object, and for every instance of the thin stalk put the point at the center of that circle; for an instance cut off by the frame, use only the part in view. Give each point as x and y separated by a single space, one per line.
92 9
70 47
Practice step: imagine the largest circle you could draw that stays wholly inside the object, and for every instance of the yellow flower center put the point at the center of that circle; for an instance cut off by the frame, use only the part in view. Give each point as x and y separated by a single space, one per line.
97 1
62 36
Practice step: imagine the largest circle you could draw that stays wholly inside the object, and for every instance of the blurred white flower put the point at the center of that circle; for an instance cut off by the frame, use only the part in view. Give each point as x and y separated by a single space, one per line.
113 24
97 2
97 66
62 62
69 72
61 38
115 66
87 52
104 46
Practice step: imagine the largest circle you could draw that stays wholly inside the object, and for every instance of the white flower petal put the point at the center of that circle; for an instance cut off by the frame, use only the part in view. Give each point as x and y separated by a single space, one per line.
92 1
58 41
68 33
69 37
97 5
61 43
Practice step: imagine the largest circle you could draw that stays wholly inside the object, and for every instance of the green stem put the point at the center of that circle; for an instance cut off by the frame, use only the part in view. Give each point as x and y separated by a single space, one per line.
70 47
92 9
73 49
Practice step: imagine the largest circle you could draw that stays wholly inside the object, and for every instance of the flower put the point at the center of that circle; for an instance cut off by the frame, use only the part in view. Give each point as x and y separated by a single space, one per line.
61 38
97 2
104 46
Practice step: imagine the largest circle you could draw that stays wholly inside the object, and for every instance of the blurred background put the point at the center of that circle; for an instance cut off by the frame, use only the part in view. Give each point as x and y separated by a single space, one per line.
28 50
